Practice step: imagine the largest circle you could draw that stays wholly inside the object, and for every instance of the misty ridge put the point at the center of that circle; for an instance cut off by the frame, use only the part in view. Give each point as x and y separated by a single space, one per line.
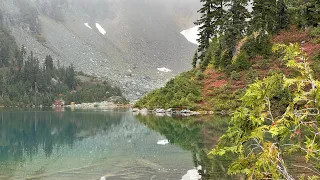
123 41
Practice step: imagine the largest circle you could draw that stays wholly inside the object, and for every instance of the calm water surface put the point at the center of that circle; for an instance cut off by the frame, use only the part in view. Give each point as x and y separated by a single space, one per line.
114 144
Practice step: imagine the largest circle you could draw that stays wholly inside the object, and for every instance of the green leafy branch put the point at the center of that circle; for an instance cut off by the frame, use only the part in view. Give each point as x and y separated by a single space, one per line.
263 140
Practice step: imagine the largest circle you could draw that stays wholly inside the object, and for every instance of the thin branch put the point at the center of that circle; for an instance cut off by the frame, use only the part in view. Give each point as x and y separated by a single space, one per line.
313 170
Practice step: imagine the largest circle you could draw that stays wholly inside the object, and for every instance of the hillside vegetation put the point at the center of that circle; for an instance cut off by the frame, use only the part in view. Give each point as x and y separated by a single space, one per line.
233 53
182 91
25 82
266 71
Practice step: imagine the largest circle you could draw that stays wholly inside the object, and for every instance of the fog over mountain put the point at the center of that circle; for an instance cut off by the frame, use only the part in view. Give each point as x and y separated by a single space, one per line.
126 41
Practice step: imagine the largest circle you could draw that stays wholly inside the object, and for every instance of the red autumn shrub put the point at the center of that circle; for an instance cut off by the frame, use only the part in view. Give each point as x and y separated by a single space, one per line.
293 35
310 48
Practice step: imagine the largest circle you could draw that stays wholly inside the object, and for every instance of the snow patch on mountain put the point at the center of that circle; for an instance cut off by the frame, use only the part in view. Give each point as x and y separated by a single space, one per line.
164 69
191 34
87 24
163 142
100 28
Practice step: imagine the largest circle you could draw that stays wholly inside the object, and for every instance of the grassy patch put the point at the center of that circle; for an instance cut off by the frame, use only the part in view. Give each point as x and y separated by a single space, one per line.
182 91
224 98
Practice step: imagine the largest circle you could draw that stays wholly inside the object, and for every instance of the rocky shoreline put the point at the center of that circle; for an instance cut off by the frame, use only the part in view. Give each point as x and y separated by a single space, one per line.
98 105
174 112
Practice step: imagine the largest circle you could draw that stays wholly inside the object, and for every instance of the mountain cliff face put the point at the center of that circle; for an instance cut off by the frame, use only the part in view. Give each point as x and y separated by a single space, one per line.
125 41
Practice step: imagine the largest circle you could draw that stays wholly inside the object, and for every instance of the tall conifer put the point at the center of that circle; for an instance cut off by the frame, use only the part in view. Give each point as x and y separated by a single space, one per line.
313 12
195 60
206 30
237 23
211 23
264 19
283 19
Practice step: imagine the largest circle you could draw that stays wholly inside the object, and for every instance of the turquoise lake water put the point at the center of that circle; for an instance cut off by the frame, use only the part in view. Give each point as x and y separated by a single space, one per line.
110 144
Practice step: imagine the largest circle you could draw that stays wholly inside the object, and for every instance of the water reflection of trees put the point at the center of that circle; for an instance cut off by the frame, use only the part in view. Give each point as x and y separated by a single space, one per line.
197 135
24 134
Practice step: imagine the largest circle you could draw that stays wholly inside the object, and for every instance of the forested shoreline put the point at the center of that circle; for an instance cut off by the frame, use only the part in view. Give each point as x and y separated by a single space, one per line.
26 82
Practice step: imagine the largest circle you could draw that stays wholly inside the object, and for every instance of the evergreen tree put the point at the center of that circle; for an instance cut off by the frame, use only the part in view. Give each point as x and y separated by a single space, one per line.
71 77
43 82
237 23
20 54
219 16
313 12
48 63
206 31
4 56
211 23
304 12
31 71
195 60
263 16
58 64
283 19
3 82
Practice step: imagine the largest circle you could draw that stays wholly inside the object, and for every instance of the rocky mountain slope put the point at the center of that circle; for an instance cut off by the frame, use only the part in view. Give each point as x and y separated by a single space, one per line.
137 44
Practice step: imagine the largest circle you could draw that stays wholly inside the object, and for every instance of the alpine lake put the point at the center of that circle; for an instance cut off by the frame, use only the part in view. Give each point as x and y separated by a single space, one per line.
109 145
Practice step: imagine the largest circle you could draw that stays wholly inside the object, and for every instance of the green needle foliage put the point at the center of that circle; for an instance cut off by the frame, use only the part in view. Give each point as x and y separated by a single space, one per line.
237 23
211 23
263 16
195 60
263 135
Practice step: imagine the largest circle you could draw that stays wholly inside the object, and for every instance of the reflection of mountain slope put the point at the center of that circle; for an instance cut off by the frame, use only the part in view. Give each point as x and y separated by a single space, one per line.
194 136
141 36
84 145
33 130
